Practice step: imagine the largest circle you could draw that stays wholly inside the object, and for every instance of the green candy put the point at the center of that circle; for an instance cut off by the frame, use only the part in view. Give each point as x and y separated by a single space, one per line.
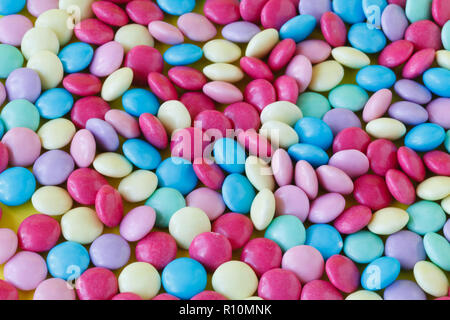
425 216
165 201
287 231
20 113
418 10
348 96
445 35
10 59
363 247
447 141
313 104
437 249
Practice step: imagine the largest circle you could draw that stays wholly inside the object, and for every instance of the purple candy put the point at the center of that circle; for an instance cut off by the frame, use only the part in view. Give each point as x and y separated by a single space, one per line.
406 247
36 7
110 251
439 112
2 93
315 8
13 28
394 22
240 31
446 230
23 83
409 113
53 167
412 91
404 290
104 134
340 119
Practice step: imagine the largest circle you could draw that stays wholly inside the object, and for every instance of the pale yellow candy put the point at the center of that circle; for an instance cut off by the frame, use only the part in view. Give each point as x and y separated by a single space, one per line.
235 280
56 133
434 188
388 221
350 57
174 115
132 35
259 173
443 58
113 165
81 225
49 68
39 39
364 295
431 279
51 200
56 20
386 128
138 186
445 204
262 43
223 72
140 278
221 51
254 298
326 75
283 111
262 210
79 9
279 134
117 83
186 224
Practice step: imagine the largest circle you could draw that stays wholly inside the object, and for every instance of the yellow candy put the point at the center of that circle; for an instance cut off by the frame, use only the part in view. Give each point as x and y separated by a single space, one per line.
113 165
259 173
279 134
117 83
445 204
254 298
49 68
56 20
81 225
132 35
431 279
386 128
235 280
326 75
434 188
221 51
140 278
262 210
364 295
79 9
350 57
56 133
39 39
174 115
187 223
262 43
443 58
283 111
223 72
138 186
388 221
51 200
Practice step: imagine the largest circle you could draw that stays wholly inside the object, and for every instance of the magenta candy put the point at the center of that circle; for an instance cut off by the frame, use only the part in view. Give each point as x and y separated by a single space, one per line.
128 296
262 255
351 138
279 284
305 261
4 158
8 244
153 130
208 295
165 296
333 179
13 28
300 69
38 233
185 143
87 108
342 273
371 191
196 27
292 200
125 125
396 53
187 78
353 219
161 86
165 32
411 163
251 9
109 206
260 93
315 50
424 34
54 289
275 13
36 7
82 84
209 174
8 291
353 162
208 200
418 63
400 3
320 290
210 249
25 270
438 162
143 60
144 12
333 29
287 89
137 223
256 68
107 59
83 185
382 155
222 92
377 105
110 13
83 148
157 248
326 208
400 186
282 168
440 10
281 55
306 178
243 116
24 146
236 227
255 143
93 31
196 102
222 11
439 112
97 284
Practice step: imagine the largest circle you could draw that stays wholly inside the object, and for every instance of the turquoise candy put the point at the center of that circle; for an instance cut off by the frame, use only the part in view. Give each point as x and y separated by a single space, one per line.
437 80
287 231
165 202
351 11
229 155
311 153
314 131
370 5
447 141
76 57
324 238
425 137
380 273
437 249
313 104
368 40
170 171
17 185
176 7
445 35
238 193
298 28
183 54
348 96
54 103
10 59
363 246
2 129
425 216
139 101
142 154
68 260
8 7
374 78
418 10
20 113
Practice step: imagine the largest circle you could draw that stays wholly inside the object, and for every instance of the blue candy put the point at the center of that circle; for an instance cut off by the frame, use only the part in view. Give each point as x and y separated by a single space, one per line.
380 273
314 131
170 171
374 78
8 7
368 40
374 7
351 11
142 154
54 103
437 80
2 129
425 137
139 101
363 246
183 54
165 201
298 28
76 57
229 155
68 260
324 238
238 193
17 185
184 278
287 231
176 7
311 153
447 141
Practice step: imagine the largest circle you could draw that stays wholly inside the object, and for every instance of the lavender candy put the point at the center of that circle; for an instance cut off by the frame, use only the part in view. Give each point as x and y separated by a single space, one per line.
315 8
405 246
110 251
409 113
446 230
412 91
23 83
404 290
53 167
394 22
439 112
104 134
240 31
340 119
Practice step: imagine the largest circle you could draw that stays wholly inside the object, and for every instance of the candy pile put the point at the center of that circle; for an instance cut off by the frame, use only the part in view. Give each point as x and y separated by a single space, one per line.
279 190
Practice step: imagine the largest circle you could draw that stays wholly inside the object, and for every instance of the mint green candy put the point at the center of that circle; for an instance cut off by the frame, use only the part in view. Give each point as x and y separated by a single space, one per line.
425 216
287 231
20 113
165 201
447 141
437 249
10 59
418 10
445 35
363 246
313 104
348 96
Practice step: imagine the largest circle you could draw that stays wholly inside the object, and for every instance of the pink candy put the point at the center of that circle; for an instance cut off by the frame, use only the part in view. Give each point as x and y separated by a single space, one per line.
353 162
97 284
25 270
222 11
4 157
210 120
333 179
196 27
137 223
125 124
54 289
196 102
236 227
144 12
187 78
279 284
292 200
38 233
161 86
128 296
418 63
306 178
209 174
305 261
282 168
93 31
109 206
107 59
8 291
333 29
260 93
400 186
256 68
326 208
24 146
82 84
83 185
438 162
157 248
315 50
143 60
320 290
424 34
153 130
210 249
396 53
208 200
255 143
262 255
110 13
243 116
287 89
165 32
300 69
222 92
82 148
8 244
281 55
87 108
382 155
377 105
251 9
411 163
276 12
208 295
342 273
351 138
353 219
371 191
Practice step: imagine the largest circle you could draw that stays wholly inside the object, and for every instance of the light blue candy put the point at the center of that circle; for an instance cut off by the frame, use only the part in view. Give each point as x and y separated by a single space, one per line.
138 101
313 104
425 137
184 278
374 78
76 57
8 7
437 80
20 113
314 131
2 129
142 154
229 155
176 7
425 216
170 171
363 246
418 10
368 40
351 11
324 238
165 202
348 96
370 5
68 260
17 185
447 141
298 28
54 103
183 54
380 273
445 35
238 193
437 249
287 231
10 59
311 153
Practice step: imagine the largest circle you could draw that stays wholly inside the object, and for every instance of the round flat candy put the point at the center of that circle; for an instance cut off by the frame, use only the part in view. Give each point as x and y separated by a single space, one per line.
109 251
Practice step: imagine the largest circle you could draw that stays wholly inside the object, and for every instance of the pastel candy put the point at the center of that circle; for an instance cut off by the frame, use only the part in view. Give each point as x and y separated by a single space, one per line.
259 173
436 80
223 72
282 167
434 188
187 223
222 92
138 186
315 50
262 43
39 39
306 178
407 247
359 162
363 247
81 225
339 97
56 133
164 208
437 248
443 58
238 202
415 139
8 244
262 210
49 68
374 78
437 111
386 128
140 278
321 79
418 10
298 28
388 221
210 201
56 20
235 280
292 200
287 231
18 195
425 216
183 54
394 22
240 31
221 51
51 200
385 269
11 59
326 208
196 27
282 111
76 56
165 32
334 179
431 279
133 35
350 57
112 165
53 167
295 260
54 103
412 91
25 270
107 59
365 39
300 69
350 11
